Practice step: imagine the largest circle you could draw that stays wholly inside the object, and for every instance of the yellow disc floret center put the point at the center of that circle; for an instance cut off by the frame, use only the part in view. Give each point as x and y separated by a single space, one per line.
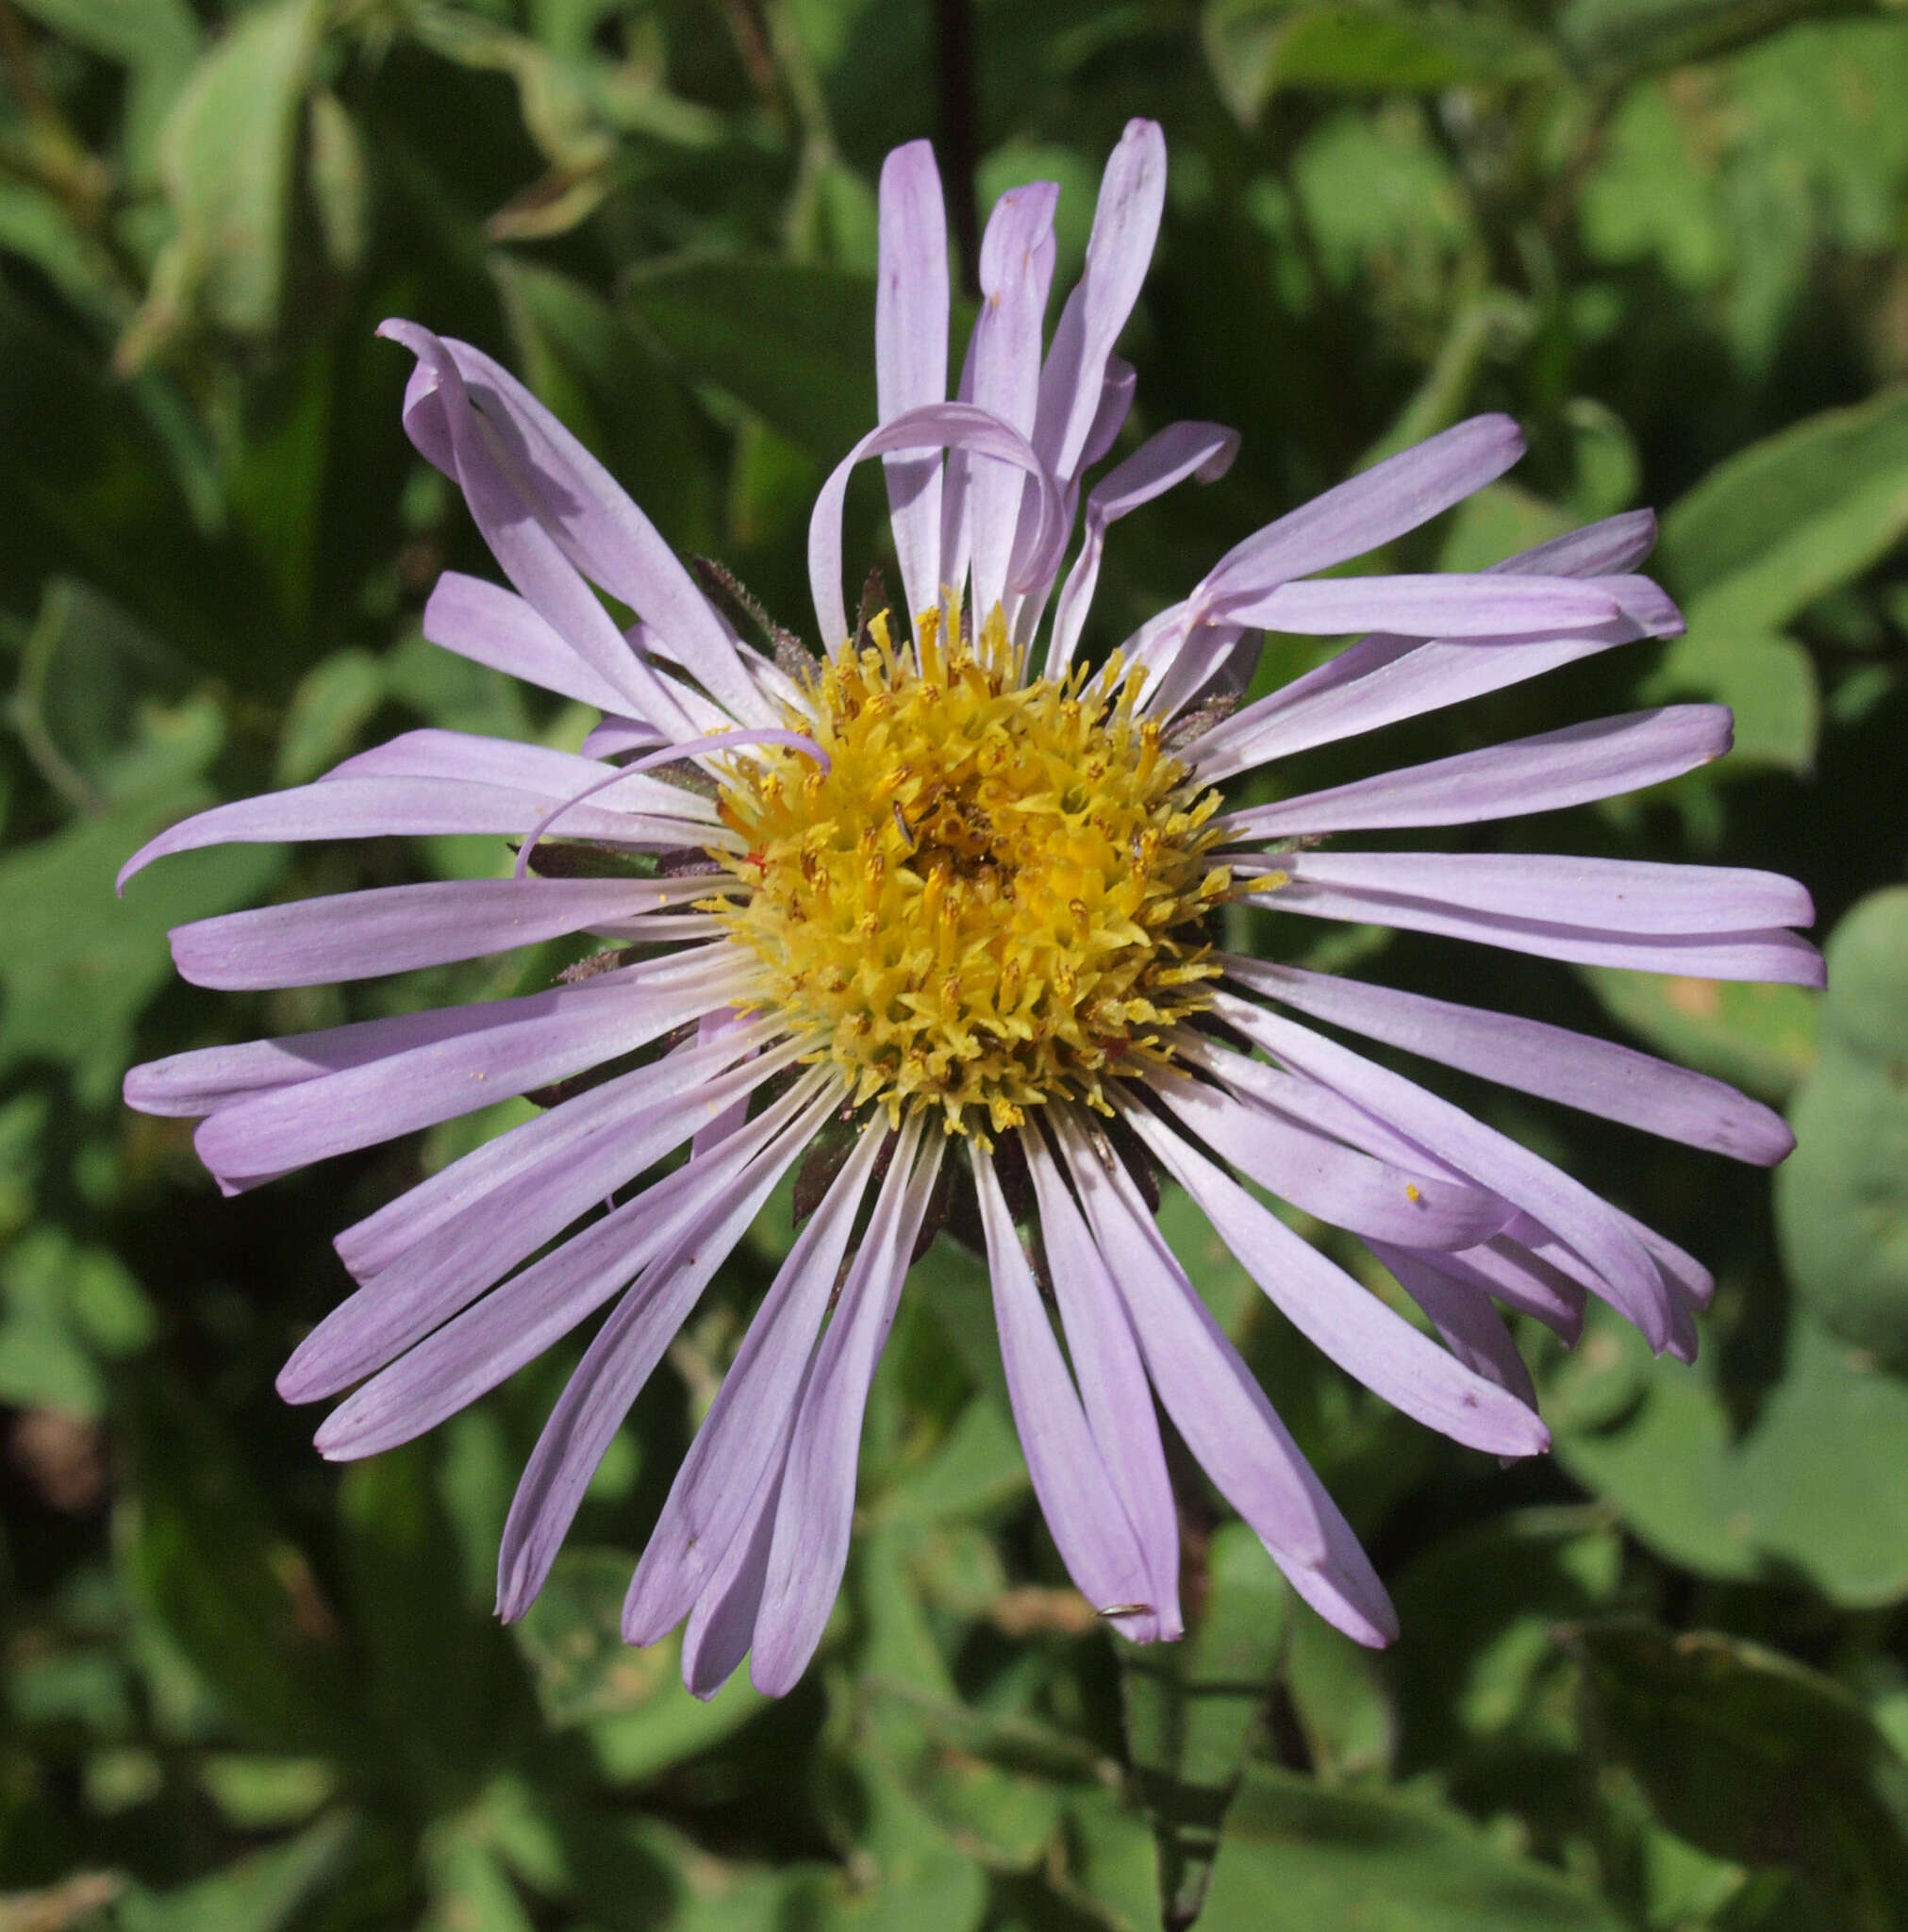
991 896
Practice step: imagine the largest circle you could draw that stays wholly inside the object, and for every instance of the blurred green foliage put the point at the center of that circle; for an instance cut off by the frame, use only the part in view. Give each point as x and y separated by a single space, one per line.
1659 1681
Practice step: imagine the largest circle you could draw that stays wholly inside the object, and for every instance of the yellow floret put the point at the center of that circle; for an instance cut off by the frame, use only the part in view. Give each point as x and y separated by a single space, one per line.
989 898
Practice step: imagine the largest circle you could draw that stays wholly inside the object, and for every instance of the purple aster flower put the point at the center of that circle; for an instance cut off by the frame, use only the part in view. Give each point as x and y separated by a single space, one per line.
948 885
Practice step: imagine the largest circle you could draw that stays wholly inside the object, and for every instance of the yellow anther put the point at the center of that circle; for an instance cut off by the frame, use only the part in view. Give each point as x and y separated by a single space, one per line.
988 892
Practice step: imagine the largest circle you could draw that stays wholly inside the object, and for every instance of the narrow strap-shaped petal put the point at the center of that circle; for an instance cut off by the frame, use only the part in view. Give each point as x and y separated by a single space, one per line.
1590 1225
531 483
1614 1082
939 425
448 1267
1378 681
1597 912
619 1361
1365 686
532 768
370 1245
1597 550
1511 1273
398 929
1556 769
911 357
1449 605
1114 1389
715 1200
502 1048
734 1449
810 1548
1077 1495
1220 1411
491 625
398 807
721 1626
710 1030
1369 510
502 462
1202 450
1508 1271
185 1085
1125 225
1462 1314
1017 265
1343 1319
1337 1184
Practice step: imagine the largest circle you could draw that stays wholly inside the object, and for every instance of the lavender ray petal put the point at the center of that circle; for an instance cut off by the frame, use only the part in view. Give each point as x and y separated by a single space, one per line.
451 1265
392 808
733 1450
620 1358
370 1245
1556 769
498 461
910 356
1369 509
1590 1225
1449 605
1609 894
501 1049
810 1549
1614 1082
535 769
1076 1493
1114 1389
1510 1272
491 625
714 1201
397 928
1219 1409
1017 259
1125 225
544 491
1341 1318
721 1626
1202 450
710 1030
1462 1314
1336 1184
937 425
1597 550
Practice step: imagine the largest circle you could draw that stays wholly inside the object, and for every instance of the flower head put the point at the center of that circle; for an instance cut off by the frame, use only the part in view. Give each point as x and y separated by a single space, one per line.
956 888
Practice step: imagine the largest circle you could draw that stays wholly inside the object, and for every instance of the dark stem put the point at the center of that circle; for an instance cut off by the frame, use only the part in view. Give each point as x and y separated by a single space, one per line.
954 72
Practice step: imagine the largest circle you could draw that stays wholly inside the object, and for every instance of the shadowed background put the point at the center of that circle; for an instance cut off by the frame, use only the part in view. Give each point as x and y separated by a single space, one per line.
1656 1680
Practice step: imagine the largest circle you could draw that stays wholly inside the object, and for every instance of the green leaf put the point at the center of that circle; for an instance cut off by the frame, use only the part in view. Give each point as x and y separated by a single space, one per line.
1824 1475
333 700
1767 681
1191 1709
204 1559
1775 526
1258 46
260 1893
1652 1438
1301 1858
1842 1199
1817 1488
228 157
79 965
794 343
1761 1038
1634 34
1751 1756
640 1717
